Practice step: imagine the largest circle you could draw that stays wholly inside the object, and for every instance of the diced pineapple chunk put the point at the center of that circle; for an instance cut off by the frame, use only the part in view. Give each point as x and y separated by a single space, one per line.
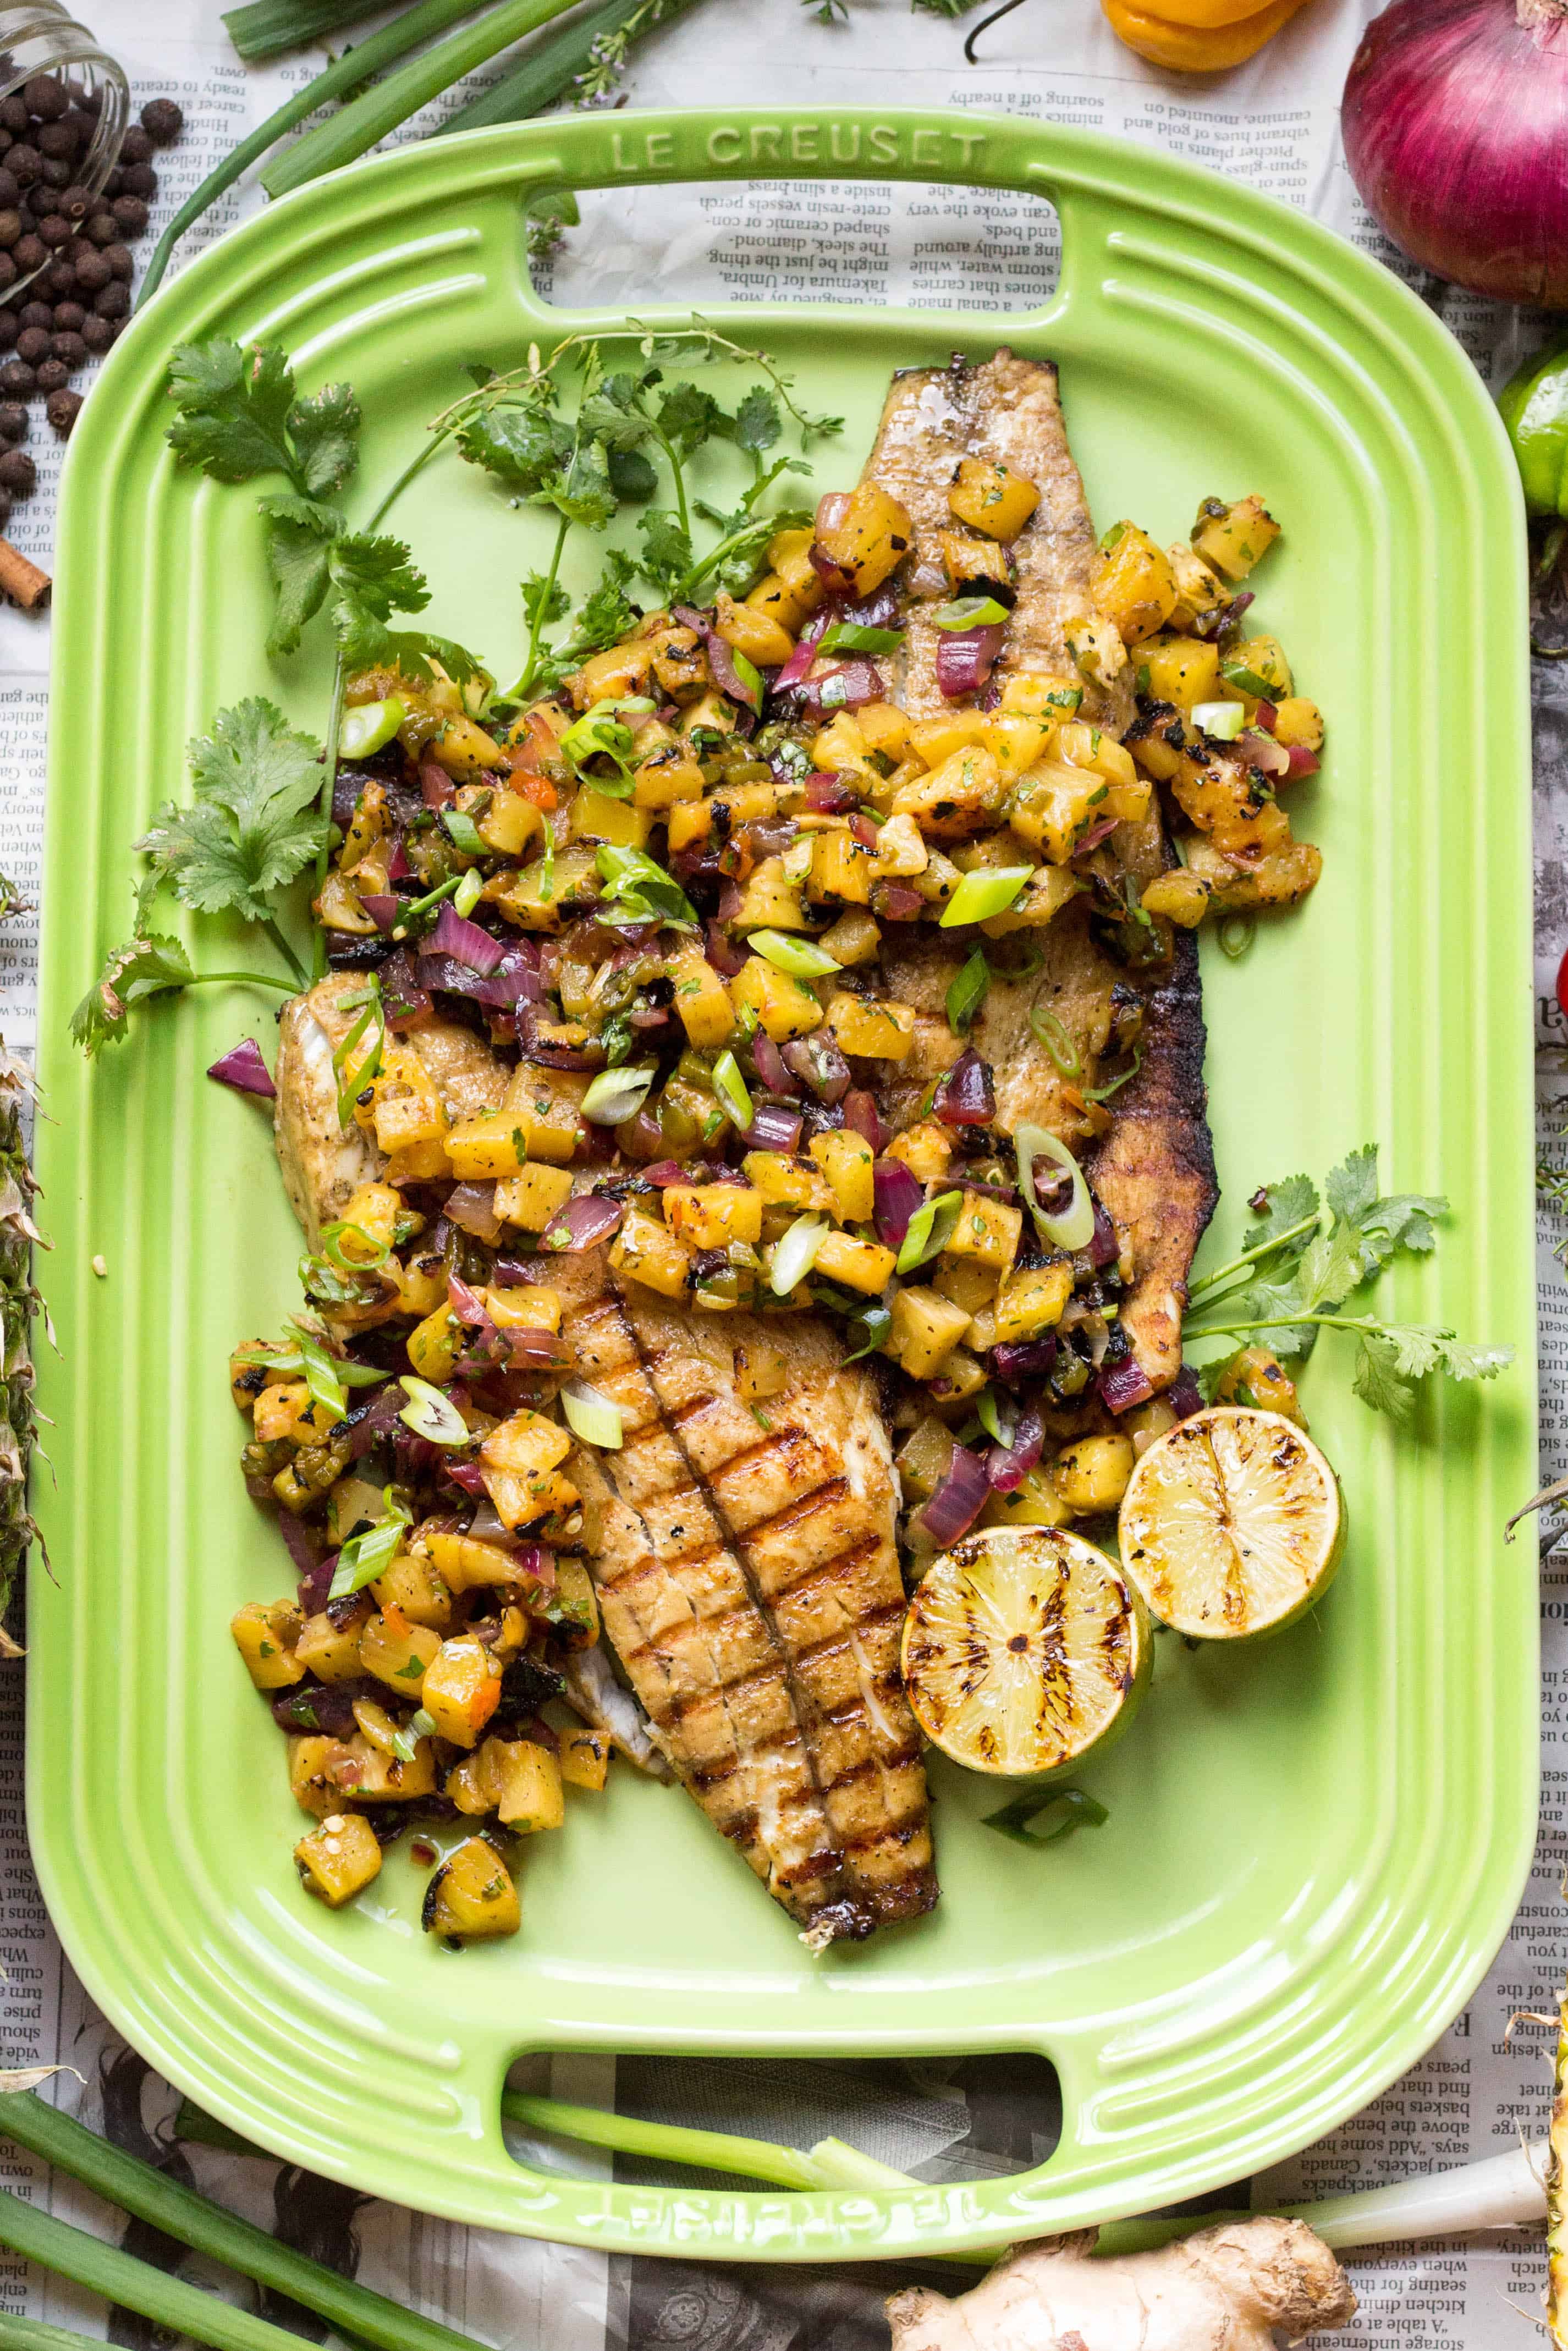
875 1030
406 1108
901 852
1033 1301
926 1150
464 1563
1092 1476
842 867
1017 739
961 1376
1133 582
1033 1502
711 1215
338 1860
584 1759
791 602
1261 657
412 1584
934 741
884 728
990 497
1180 896
956 797
1198 590
526 1444
397 1651
926 1327
509 824
845 1159
986 1231
523 1498
264 1633
1096 648
576 1604
285 1414
702 999
1232 538
1054 806
922 1459
649 1252
462 1689
472 1897
481 1149
666 775
314 1765
531 1197
547 1105
858 1264
1042 898
785 1182
529 1307
527 1779
854 938
1183 670
1043 693
762 638
328 1645
784 1006
1298 721
595 815
369 1221
870 540
435 1345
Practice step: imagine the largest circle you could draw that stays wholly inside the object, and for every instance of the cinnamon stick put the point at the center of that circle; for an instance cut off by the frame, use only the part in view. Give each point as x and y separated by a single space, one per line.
22 580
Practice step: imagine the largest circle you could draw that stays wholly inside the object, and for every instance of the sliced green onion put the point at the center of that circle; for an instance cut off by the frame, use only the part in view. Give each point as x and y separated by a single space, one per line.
750 675
854 637
998 1423
617 1094
463 832
968 991
376 1252
978 896
322 1377
1074 1227
797 860
1076 1807
796 1254
406 1744
430 1414
469 890
1236 934
352 1083
369 726
1056 1041
873 1321
1113 537
730 1087
1103 1093
930 1228
802 958
422 1724
642 889
971 612
1223 721
592 1415
291 1359
600 734
365 1557
1247 681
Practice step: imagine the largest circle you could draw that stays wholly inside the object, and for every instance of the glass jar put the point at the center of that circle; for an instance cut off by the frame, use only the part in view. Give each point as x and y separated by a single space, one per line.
37 37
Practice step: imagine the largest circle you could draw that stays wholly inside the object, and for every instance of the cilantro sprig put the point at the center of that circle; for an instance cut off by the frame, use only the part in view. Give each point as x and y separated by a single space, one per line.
1305 1262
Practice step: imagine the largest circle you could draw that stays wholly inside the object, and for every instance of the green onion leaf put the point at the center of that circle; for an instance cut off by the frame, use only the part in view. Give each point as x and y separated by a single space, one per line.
322 1377
465 897
854 637
802 958
1103 1093
617 1094
1247 681
978 896
968 991
1236 934
591 1416
1056 1041
929 1229
365 1557
291 1359
463 832
352 1076
422 1724
994 1416
369 726
749 676
1078 1811
1075 1226
730 1087
1222 721
430 1414
796 1254
599 734
873 1321
643 890
332 1235
971 612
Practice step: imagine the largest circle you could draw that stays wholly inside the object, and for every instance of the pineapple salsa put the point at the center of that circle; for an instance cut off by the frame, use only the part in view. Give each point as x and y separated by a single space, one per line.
667 905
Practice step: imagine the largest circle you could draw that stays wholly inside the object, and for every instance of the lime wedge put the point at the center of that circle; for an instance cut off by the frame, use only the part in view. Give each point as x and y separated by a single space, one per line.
1024 1648
1232 1524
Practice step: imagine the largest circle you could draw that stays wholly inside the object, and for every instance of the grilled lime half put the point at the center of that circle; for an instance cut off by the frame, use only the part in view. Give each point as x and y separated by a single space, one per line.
1232 1524
1024 1648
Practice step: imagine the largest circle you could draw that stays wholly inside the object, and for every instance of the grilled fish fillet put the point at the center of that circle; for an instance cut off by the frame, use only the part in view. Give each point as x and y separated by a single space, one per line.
1154 1169
749 1582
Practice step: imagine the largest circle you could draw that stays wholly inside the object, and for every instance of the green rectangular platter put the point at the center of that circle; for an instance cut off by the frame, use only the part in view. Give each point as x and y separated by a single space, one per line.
1315 1845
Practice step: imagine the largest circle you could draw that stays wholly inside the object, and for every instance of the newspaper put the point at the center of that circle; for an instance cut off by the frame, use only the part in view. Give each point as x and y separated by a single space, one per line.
1272 124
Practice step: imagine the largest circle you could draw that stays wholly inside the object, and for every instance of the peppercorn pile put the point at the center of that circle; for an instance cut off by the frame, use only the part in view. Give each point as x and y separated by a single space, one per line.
66 252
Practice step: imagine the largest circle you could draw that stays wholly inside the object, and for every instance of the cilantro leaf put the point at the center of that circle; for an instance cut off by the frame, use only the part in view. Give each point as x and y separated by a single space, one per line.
254 824
688 417
1290 1202
234 408
1466 1361
666 548
1350 1188
580 492
375 576
610 421
544 600
145 965
1379 1381
325 430
608 613
757 423
632 478
299 532
1404 1220
1330 1267
523 447
367 644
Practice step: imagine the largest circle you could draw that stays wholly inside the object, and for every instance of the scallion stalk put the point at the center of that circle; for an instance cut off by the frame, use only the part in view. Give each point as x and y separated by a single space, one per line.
267 28
988 890
367 119
549 69
382 48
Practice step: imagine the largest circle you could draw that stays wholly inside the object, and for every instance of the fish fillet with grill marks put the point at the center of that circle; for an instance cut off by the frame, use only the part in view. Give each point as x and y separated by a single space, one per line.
749 1580
1154 1168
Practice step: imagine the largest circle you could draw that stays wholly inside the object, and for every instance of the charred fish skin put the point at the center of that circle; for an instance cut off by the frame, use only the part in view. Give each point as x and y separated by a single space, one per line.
749 1584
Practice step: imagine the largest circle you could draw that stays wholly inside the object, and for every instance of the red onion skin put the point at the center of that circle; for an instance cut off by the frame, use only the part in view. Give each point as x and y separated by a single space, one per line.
243 1069
965 658
1454 131
966 1096
581 1224
898 1194
958 1500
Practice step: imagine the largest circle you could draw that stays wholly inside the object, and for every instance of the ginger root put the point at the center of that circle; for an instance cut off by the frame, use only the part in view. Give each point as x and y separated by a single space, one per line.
1226 2290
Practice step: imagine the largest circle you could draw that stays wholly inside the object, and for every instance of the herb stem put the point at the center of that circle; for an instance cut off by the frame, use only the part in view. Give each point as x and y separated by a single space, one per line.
285 950
1250 1257
369 118
423 906
671 452
382 48
237 979
328 788
125 2181
536 624
1362 1323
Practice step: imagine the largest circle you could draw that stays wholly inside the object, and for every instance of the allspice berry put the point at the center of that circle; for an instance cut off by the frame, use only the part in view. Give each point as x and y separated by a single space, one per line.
121 263
55 230
101 228
14 421
18 474
55 173
8 329
33 344
70 351
137 180
93 272
24 164
97 333
33 313
136 147
17 381
53 376
13 112
131 213
60 141
45 98
75 202
62 409
163 120
114 302
67 318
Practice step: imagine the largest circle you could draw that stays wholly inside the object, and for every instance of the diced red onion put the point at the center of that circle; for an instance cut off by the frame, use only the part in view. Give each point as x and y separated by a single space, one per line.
966 1096
1016 1361
1266 717
641 1137
546 1052
645 1017
1007 1466
667 1170
1104 1247
468 1476
464 1303
1260 751
877 610
774 1128
398 867
834 577
581 1224
531 1344
863 830
378 1419
513 1272
1302 761
799 661
298 1539
243 1068
849 684
464 941
435 786
831 508
769 840
1123 1385
347 785
404 1000
820 1065
729 901
958 1500
831 795
860 1113
536 1560
1097 832
725 957
769 1065
897 902
1184 1395
315 1584
898 1194
965 658
1223 617
385 908
472 1206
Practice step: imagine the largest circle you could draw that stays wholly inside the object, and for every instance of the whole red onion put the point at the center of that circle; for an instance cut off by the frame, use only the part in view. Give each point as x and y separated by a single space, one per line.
1454 119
